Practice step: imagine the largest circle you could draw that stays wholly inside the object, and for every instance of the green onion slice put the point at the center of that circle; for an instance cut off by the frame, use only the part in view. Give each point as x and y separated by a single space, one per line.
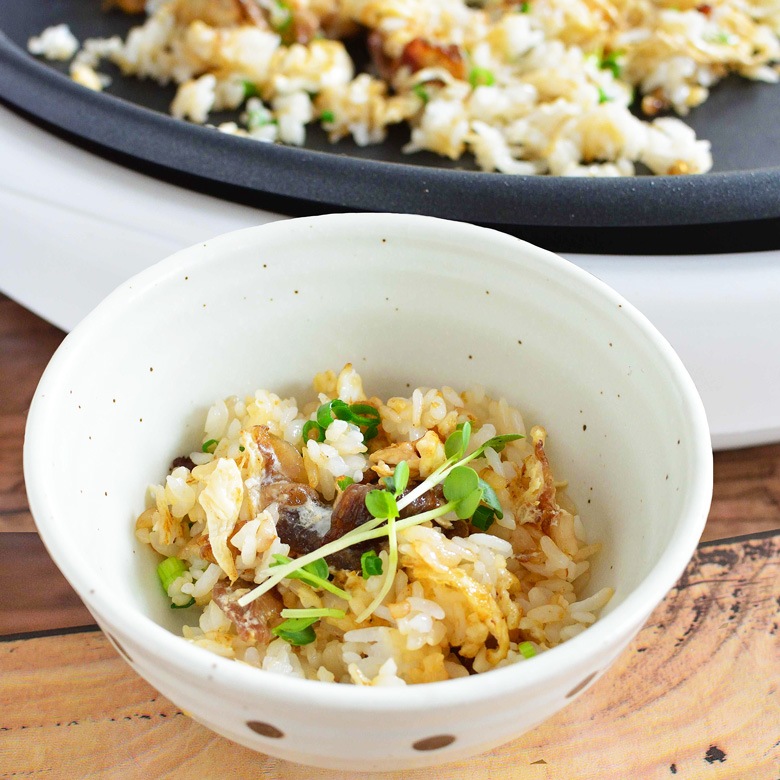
183 606
526 649
318 430
169 571
481 77
483 517
209 446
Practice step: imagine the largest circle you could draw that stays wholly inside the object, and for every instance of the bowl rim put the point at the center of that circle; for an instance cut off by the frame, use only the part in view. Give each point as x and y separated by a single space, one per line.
170 651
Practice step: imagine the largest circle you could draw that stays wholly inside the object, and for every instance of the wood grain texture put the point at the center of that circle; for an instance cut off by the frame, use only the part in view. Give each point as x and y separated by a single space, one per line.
35 596
26 345
695 696
746 497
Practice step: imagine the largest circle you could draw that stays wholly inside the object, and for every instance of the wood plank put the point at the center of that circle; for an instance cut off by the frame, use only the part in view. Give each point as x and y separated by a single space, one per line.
695 695
746 494
35 595
26 344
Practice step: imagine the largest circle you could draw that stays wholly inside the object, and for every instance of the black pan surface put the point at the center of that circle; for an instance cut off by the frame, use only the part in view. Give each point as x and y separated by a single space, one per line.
736 207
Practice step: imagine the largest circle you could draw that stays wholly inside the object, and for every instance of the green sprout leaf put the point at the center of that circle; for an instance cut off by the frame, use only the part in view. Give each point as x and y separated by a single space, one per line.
371 564
315 574
381 504
461 482
297 631
466 507
457 441
345 482
498 443
313 613
491 499
401 478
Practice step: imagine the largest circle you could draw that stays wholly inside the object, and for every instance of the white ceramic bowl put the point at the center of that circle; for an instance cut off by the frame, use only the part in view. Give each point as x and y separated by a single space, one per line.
407 299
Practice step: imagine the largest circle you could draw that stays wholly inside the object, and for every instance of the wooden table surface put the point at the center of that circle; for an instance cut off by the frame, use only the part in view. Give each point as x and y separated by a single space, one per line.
696 695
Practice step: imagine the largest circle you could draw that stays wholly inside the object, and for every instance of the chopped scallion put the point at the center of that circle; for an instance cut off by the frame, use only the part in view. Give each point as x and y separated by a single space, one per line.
250 89
421 92
209 446
170 570
481 77
483 517
315 428
327 117
526 649
183 606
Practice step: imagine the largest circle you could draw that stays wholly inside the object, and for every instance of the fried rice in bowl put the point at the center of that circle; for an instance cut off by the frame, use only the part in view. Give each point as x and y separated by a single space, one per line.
498 472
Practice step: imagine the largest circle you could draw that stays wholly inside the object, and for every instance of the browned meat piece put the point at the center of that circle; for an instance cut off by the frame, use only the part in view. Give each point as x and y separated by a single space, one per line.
420 53
349 510
183 460
254 621
304 520
417 54
433 499
385 66
306 523
128 6
282 461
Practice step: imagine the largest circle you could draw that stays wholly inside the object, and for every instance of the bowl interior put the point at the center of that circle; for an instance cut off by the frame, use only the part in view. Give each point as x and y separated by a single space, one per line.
409 301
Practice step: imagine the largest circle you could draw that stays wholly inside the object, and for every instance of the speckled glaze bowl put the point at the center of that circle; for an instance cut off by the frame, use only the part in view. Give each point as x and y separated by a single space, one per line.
407 299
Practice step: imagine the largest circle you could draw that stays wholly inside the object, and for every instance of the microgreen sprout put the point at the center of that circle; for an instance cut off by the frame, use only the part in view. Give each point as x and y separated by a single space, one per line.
315 573
371 564
464 496
297 631
313 613
344 482
364 416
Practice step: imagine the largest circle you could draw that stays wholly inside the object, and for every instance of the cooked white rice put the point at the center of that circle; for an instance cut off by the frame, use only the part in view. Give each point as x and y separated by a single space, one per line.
537 87
457 604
